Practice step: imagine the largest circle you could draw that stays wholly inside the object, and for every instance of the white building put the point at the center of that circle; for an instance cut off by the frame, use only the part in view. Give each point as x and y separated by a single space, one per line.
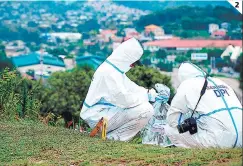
212 28
72 37
16 48
233 52
226 25
236 53
164 37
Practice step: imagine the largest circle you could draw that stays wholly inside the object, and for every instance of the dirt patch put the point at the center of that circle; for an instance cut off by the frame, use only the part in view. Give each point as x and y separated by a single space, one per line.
222 161
76 163
36 161
51 153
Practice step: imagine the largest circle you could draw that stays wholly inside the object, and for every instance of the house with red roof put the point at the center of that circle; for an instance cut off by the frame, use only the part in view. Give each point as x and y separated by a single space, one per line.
131 32
184 45
88 42
106 34
219 34
154 29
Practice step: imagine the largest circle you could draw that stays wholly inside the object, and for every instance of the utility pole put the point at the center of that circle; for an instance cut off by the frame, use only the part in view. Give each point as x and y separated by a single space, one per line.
41 63
212 62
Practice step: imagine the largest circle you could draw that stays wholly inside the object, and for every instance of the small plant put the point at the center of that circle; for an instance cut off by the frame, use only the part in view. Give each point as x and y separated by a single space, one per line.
17 96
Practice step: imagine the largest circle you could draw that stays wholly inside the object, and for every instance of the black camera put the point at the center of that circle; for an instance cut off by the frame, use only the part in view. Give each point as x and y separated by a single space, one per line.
189 124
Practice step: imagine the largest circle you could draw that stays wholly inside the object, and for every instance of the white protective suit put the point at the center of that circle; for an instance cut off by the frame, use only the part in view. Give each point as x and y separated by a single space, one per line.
114 96
218 114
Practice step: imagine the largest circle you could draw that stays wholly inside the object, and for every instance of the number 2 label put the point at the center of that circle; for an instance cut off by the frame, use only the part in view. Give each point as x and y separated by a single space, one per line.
237 4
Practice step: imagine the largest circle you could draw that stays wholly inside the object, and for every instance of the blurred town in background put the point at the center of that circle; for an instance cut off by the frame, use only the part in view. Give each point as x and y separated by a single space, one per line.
39 38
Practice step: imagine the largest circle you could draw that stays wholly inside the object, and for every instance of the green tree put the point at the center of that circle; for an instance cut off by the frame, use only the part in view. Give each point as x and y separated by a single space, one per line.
238 65
236 35
65 91
2 51
186 23
184 34
165 66
181 58
171 27
238 68
88 25
146 58
146 61
85 35
146 54
148 77
18 96
151 34
190 18
4 61
32 24
93 32
227 60
241 77
161 54
57 51
213 52
120 32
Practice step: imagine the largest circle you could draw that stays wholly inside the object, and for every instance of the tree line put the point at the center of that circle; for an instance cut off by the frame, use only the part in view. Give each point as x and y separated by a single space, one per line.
63 92
190 18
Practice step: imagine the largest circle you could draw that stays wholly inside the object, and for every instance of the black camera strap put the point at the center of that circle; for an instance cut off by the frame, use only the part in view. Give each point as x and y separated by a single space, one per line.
202 92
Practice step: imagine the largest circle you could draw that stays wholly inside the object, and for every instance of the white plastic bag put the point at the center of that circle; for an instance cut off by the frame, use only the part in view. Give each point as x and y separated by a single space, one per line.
153 132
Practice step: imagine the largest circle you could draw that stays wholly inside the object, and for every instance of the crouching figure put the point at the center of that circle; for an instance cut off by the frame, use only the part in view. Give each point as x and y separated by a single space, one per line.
205 112
113 96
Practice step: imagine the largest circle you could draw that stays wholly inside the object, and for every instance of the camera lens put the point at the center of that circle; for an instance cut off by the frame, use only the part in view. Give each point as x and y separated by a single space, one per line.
181 128
184 127
188 125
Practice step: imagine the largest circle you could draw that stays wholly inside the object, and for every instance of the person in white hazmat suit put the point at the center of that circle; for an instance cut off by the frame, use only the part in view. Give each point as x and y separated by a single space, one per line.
218 113
115 97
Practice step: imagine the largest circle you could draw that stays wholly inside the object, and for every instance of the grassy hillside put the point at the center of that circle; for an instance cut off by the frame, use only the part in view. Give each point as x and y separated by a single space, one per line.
28 143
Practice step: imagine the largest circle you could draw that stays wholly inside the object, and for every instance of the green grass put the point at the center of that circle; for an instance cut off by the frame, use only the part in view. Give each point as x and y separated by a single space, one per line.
29 143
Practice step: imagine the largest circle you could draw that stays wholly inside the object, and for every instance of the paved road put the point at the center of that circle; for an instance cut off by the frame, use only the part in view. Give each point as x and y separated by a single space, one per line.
234 83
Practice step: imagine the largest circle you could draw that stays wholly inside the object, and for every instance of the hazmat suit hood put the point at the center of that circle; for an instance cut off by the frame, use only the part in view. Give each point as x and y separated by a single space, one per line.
126 54
188 70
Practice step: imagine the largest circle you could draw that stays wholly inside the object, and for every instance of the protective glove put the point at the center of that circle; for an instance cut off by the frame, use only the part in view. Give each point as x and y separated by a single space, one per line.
152 94
163 93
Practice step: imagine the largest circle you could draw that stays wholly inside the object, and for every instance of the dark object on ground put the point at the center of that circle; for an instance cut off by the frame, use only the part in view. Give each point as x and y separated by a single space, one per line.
68 118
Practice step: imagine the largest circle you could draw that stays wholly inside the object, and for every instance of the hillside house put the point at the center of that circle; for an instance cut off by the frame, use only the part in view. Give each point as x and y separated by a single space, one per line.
155 30
226 25
131 32
212 28
106 35
15 48
219 34
71 37
45 64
